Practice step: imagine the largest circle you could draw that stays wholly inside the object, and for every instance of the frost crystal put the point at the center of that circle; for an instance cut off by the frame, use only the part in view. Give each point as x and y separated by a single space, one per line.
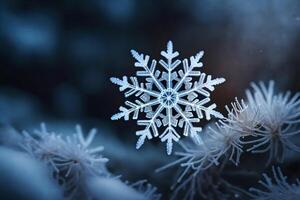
280 118
169 99
69 158
276 189
149 191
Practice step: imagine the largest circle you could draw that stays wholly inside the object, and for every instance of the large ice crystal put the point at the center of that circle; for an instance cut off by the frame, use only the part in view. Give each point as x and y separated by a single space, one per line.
171 100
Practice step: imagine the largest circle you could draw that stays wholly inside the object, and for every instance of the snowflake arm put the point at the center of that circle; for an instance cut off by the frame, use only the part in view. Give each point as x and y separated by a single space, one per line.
188 125
169 55
199 107
133 107
142 61
188 70
133 88
146 133
169 135
199 86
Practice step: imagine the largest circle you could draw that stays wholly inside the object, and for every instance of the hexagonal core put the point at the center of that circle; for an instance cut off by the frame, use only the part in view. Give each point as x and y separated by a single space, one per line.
168 97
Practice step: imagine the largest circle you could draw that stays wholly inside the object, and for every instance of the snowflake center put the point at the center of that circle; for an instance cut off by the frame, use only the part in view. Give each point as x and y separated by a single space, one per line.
168 97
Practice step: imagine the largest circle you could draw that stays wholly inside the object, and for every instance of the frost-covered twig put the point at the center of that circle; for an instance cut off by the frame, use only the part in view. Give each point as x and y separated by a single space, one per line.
280 119
70 159
80 168
276 188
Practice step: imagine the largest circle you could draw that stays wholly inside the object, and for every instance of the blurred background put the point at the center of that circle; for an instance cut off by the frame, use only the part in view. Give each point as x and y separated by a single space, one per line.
56 56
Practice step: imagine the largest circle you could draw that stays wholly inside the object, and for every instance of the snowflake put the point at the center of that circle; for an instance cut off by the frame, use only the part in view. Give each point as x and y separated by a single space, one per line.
169 99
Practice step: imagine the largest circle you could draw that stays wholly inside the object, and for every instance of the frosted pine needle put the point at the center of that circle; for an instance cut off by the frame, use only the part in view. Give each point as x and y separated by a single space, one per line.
149 191
280 118
70 158
276 188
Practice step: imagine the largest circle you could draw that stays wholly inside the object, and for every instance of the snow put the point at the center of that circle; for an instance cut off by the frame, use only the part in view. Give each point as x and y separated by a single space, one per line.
172 102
